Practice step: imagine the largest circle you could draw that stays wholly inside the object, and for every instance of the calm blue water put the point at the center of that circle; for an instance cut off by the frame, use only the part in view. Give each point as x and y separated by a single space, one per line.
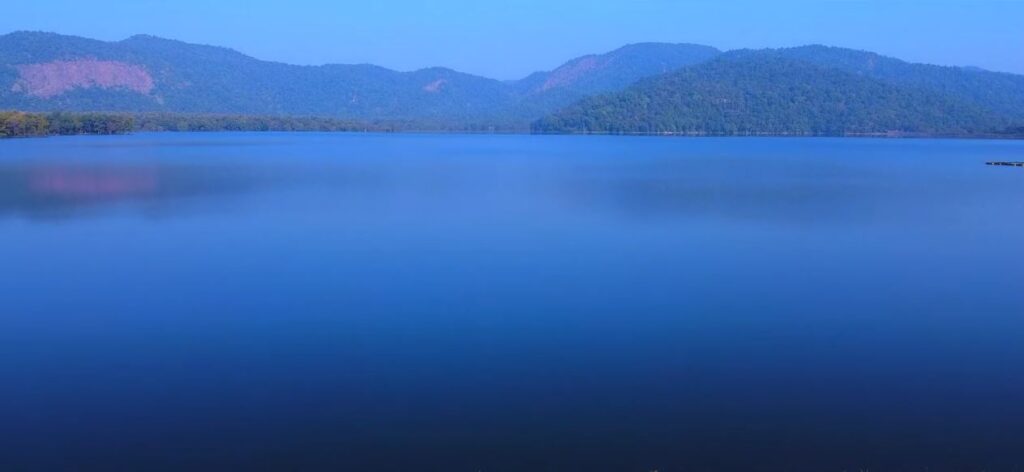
342 302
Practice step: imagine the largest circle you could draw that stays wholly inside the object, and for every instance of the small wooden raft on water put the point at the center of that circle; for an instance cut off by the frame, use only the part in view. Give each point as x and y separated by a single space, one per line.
1005 163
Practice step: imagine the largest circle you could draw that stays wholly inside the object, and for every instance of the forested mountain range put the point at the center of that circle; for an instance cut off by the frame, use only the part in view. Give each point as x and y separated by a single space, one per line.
640 88
46 72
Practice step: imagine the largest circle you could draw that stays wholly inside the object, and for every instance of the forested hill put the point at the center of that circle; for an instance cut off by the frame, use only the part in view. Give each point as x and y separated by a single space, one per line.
786 92
999 92
48 72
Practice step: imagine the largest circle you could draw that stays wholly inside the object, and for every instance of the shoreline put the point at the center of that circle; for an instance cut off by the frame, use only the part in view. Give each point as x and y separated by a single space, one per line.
895 136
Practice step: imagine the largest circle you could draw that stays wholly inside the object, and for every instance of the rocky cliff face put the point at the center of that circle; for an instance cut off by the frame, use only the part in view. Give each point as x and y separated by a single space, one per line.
51 79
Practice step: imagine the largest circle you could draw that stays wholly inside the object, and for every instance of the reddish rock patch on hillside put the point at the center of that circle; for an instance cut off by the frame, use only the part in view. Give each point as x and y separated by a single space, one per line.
570 73
51 79
83 184
435 86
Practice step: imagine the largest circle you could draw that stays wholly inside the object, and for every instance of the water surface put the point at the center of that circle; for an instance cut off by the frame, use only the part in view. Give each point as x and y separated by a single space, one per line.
322 302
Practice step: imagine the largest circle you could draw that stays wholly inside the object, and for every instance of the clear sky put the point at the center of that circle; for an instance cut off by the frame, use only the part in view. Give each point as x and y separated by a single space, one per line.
510 38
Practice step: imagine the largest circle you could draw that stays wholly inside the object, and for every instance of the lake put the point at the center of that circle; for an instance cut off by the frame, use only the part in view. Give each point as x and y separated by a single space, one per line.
333 302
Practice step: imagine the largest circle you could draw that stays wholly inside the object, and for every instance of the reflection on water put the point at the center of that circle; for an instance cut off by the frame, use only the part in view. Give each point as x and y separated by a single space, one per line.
85 183
783 189
507 303
53 190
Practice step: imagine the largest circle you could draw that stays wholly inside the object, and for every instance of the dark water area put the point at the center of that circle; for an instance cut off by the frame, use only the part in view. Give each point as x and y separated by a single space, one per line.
336 302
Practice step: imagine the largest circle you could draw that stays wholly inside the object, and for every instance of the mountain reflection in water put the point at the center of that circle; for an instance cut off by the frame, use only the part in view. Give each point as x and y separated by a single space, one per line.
52 190
94 183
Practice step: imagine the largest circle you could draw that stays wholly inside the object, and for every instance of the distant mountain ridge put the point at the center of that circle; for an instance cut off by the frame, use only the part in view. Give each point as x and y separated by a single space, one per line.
46 71
1002 92
644 87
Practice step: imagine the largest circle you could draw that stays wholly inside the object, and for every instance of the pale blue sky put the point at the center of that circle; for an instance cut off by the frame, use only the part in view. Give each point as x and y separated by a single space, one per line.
508 39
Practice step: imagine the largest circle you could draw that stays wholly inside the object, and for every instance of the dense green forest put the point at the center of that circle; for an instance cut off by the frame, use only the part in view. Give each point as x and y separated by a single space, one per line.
181 122
772 95
1016 132
22 124
999 92
213 122
15 124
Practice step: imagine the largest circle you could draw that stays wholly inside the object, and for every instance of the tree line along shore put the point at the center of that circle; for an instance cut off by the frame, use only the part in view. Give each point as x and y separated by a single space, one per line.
18 124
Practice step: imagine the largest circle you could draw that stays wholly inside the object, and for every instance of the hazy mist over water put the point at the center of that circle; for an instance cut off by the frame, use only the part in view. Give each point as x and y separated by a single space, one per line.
502 303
